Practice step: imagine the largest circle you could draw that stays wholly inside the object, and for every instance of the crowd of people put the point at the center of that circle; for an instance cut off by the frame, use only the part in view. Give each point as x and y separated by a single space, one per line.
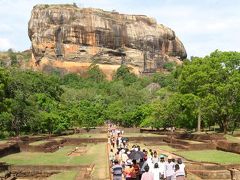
134 163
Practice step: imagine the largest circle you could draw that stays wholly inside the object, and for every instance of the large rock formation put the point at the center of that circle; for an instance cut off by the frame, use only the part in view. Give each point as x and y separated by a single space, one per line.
65 35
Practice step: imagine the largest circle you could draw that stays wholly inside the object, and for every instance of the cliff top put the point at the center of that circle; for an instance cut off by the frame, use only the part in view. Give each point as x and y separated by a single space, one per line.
98 11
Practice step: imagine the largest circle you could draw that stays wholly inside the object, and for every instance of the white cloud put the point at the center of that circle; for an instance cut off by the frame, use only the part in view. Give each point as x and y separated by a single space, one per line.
5 44
202 26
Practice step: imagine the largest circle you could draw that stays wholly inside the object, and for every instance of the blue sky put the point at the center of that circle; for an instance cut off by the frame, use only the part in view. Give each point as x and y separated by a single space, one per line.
202 25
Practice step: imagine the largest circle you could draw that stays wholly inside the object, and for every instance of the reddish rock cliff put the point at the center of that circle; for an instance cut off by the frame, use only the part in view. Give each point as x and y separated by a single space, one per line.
84 35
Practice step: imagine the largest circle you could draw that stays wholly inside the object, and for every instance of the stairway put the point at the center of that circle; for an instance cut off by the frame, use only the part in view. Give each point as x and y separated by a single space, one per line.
213 175
5 174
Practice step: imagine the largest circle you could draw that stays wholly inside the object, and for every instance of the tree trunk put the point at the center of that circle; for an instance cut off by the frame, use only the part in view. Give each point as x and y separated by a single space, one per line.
199 121
225 127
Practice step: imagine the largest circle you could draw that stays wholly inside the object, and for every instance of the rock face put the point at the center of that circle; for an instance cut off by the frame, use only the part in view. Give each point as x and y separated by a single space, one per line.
66 33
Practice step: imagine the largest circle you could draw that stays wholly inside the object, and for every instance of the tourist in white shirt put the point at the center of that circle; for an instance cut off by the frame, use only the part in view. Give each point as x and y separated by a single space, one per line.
150 164
162 166
178 174
169 168
156 172
155 158
182 170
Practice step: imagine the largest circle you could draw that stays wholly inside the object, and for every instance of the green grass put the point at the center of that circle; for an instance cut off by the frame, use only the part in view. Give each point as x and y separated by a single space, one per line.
213 156
86 135
69 175
167 148
36 143
57 158
232 139
141 135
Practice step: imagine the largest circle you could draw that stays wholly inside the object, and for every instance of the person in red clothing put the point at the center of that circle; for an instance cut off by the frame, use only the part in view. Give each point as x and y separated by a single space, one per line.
137 169
129 171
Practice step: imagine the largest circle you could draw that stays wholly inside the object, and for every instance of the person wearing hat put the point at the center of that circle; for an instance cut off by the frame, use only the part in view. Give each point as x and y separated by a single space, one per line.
129 170
161 165
169 168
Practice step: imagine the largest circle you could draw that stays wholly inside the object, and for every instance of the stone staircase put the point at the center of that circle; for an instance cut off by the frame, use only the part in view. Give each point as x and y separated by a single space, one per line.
213 175
5 174
212 171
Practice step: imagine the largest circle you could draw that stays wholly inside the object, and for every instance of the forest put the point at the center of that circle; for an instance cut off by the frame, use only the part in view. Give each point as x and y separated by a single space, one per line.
200 93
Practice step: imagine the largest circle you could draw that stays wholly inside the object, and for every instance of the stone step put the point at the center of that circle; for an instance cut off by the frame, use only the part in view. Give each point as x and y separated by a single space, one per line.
11 178
179 146
5 174
206 174
209 167
219 179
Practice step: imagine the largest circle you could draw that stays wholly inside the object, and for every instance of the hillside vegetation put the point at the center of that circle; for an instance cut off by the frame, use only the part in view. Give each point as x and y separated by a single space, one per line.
205 89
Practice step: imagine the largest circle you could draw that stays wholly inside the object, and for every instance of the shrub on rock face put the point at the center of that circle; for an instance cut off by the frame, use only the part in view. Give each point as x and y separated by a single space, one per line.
169 66
95 74
123 73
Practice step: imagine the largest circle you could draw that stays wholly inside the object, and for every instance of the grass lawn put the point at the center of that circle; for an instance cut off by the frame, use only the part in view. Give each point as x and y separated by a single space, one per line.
69 175
213 156
59 157
141 135
167 148
232 139
192 142
36 143
86 135
158 148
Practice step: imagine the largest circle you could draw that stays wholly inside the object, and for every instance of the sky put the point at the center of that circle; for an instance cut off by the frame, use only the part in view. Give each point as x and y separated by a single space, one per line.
202 25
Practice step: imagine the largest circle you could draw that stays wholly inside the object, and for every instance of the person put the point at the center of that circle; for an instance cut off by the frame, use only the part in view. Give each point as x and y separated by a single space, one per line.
117 170
117 142
169 168
117 156
156 172
141 165
150 163
113 142
147 175
124 156
155 158
136 168
150 154
178 174
111 156
129 170
182 169
161 165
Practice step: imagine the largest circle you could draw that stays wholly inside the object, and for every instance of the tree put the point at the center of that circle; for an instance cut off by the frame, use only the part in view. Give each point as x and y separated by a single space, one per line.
13 57
215 80
123 73
95 74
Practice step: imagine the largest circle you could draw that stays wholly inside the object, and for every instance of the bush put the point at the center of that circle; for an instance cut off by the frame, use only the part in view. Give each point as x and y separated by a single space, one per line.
4 134
169 66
